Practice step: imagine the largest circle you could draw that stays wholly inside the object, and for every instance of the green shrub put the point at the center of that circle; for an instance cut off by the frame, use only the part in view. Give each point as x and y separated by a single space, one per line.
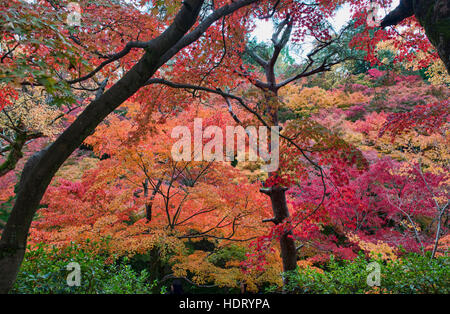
412 273
44 270
228 253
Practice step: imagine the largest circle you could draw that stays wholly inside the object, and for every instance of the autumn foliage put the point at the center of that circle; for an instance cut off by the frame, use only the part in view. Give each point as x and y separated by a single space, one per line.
363 158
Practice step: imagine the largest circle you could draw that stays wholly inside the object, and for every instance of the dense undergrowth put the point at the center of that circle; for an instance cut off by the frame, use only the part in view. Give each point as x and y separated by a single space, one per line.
45 271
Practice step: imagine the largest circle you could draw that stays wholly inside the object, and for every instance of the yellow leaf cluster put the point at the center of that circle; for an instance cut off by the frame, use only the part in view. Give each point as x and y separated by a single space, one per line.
380 248
302 264
309 100
31 112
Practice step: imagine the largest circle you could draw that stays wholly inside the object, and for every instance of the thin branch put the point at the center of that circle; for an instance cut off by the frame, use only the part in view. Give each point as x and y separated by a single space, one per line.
114 57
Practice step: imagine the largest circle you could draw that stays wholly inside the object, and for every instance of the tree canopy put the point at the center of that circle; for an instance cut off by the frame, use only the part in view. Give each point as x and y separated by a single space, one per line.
90 96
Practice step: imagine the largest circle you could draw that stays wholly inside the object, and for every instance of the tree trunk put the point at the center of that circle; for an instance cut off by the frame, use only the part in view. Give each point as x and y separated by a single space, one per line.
148 206
277 194
281 212
14 155
433 15
41 167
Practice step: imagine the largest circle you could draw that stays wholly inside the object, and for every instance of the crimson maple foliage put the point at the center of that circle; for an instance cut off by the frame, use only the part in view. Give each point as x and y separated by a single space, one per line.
117 85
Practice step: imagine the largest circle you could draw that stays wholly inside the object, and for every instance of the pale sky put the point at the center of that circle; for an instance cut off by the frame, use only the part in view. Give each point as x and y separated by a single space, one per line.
264 29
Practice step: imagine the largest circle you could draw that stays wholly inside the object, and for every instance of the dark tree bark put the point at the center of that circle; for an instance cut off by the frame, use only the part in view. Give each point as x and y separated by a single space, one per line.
433 15
148 206
149 203
14 154
281 212
41 167
277 194
14 150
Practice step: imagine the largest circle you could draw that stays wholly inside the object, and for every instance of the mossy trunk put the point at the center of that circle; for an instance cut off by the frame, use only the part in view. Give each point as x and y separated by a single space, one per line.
433 15
14 155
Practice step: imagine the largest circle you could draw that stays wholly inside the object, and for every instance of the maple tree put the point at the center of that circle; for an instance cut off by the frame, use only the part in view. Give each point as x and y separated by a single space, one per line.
157 52
268 104
60 82
141 199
